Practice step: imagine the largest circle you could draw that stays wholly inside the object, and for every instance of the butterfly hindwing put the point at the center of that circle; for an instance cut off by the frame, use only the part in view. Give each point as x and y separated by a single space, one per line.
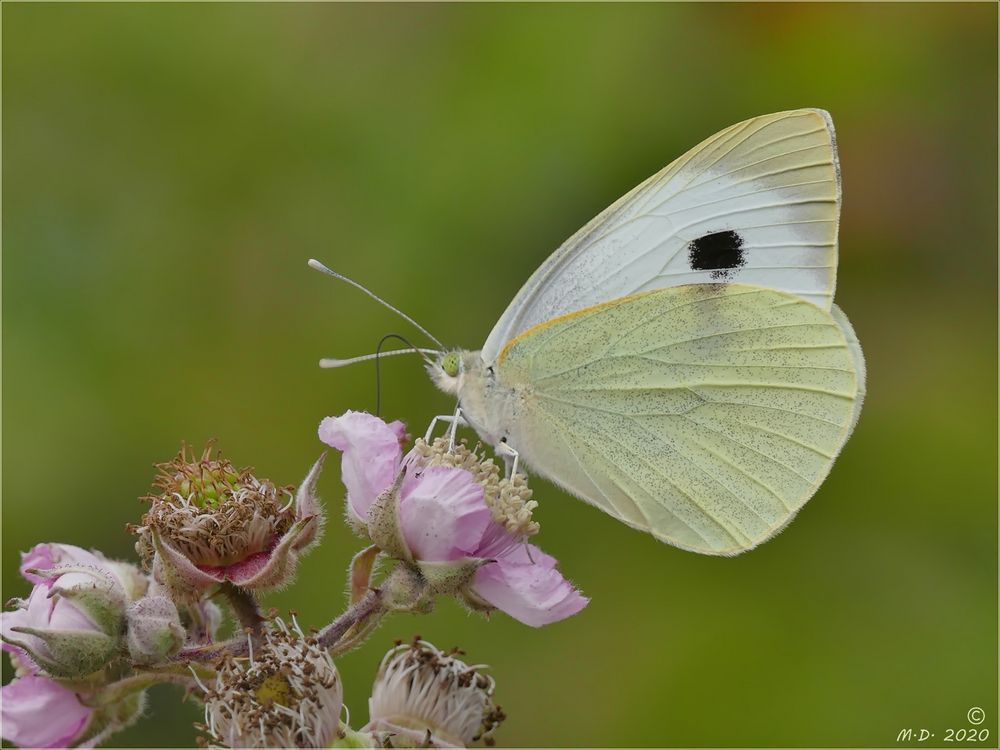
705 414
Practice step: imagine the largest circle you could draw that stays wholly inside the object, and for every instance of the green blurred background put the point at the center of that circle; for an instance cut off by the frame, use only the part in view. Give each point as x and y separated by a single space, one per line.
168 169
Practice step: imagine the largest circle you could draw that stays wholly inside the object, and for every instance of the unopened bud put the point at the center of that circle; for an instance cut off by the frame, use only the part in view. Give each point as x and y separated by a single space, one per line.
153 630
71 624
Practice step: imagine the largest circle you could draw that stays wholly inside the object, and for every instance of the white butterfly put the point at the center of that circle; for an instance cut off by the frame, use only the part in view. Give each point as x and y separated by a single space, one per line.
679 362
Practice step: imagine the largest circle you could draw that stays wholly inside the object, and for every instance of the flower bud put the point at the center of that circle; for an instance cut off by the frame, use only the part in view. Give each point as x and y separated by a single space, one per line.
71 624
153 630
210 522
287 693
49 555
425 698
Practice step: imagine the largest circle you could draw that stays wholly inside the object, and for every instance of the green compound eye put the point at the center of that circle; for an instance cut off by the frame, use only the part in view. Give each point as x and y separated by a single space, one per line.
449 363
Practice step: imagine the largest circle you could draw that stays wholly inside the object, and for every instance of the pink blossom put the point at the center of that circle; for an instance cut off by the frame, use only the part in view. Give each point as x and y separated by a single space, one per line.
446 523
38 712
371 451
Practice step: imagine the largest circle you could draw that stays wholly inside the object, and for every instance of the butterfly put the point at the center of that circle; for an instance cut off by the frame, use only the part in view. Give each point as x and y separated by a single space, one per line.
679 362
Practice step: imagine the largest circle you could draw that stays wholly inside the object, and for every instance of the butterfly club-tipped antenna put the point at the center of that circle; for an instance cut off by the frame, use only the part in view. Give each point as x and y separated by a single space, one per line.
315 264
331 363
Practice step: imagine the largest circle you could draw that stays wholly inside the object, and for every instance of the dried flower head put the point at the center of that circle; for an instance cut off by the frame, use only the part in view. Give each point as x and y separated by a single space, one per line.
286 693
424 697
213 513
210 522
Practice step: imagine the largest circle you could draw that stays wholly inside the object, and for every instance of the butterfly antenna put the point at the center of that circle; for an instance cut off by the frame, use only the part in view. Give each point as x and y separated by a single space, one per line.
378 371
313 263
330 363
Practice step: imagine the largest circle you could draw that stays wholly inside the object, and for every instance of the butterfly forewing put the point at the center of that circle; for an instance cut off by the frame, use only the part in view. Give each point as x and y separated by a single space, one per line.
758 203
705 414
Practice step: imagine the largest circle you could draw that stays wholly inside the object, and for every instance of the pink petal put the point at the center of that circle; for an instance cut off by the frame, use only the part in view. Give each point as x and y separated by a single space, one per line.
38 712
43 611
64 615
19 618
443 514
371 451
496 542
49 555
525 584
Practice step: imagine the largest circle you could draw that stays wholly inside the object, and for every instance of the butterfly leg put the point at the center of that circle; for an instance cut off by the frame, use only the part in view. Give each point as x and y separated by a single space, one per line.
510 457
455 420
454 428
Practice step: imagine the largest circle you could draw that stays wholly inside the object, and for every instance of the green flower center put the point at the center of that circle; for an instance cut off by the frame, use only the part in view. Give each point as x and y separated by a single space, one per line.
275 689
209 489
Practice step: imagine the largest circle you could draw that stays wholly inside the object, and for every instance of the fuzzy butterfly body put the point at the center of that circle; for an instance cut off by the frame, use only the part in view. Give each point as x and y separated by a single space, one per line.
679 362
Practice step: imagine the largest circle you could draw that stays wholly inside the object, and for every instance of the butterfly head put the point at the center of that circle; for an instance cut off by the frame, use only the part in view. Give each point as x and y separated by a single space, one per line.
446 370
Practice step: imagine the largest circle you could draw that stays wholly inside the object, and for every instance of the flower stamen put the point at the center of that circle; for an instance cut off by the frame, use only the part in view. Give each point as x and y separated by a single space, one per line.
288 694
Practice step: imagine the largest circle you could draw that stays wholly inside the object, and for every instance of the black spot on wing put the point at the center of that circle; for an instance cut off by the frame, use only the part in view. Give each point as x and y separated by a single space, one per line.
719 252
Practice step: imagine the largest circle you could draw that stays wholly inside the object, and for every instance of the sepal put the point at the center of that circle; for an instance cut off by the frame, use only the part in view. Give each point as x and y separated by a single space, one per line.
179 575
307 505
447 578
68 653
103 600
362 565
348 738
384 525
405 590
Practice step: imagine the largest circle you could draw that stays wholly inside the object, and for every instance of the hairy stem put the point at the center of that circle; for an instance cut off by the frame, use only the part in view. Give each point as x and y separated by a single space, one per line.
357 634
364 614
245 607
370 605
238 646
117 691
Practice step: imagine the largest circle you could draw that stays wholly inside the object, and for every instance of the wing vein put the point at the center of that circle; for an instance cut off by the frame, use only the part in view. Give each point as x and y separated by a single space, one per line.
740 443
